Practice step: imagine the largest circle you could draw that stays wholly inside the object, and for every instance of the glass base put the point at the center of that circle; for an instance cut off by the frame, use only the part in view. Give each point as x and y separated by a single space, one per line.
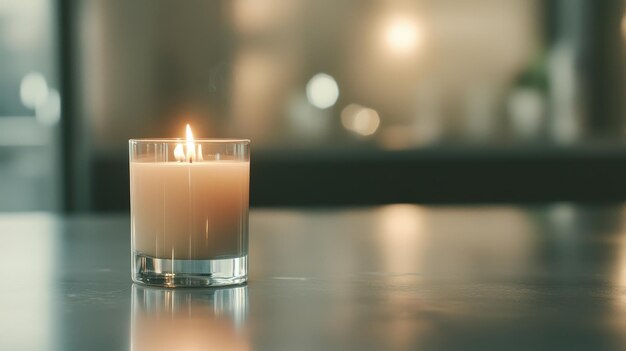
189 273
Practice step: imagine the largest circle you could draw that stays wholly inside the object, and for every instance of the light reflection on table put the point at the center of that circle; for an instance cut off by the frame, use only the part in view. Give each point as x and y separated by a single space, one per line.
189 319
395 277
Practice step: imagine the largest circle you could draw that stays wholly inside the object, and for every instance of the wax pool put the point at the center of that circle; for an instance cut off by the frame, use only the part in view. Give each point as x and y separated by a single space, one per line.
183 210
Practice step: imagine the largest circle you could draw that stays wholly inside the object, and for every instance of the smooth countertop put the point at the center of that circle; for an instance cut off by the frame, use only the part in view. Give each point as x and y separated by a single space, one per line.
398 277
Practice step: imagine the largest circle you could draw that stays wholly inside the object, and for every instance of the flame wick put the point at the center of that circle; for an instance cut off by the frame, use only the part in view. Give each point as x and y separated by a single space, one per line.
189 152
191 149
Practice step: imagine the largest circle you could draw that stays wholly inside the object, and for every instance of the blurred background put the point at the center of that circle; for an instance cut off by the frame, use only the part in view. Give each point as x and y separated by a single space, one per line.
347 102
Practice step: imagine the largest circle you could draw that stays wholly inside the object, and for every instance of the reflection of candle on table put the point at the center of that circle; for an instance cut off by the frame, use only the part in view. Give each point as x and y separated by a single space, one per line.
189 319
191 204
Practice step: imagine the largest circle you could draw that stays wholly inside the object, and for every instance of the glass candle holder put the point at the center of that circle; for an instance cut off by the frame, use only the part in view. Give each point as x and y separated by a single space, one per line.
189 205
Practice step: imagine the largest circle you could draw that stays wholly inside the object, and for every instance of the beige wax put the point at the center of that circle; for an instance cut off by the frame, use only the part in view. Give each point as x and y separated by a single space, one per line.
183 210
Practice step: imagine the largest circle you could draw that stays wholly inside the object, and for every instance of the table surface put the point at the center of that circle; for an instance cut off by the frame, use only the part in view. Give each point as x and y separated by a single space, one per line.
398 277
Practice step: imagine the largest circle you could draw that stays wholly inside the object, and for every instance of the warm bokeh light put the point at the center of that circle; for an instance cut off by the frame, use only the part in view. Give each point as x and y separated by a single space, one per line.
366 122
403 35
347 115
322 91
361 120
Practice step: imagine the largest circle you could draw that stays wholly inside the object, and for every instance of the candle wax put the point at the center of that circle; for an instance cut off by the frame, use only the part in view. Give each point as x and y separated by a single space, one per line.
183 210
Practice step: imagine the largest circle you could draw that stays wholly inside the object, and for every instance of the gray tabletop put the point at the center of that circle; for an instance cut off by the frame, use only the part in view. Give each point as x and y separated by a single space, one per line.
398 277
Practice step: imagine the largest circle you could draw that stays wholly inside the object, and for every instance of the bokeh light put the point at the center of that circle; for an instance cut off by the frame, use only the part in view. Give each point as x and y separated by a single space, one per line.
322 91
33 90
348 114
403 35
361 120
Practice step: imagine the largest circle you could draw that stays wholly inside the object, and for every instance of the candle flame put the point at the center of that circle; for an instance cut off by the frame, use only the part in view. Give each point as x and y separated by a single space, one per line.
179 154
189 154
191 148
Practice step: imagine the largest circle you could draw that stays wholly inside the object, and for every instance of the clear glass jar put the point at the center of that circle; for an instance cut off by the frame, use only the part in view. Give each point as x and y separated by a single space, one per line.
189 211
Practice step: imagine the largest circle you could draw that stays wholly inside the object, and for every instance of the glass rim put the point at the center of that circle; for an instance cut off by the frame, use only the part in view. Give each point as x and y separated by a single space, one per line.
195 140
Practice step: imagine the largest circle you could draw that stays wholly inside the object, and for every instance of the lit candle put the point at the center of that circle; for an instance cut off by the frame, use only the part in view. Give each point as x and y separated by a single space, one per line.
189 210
